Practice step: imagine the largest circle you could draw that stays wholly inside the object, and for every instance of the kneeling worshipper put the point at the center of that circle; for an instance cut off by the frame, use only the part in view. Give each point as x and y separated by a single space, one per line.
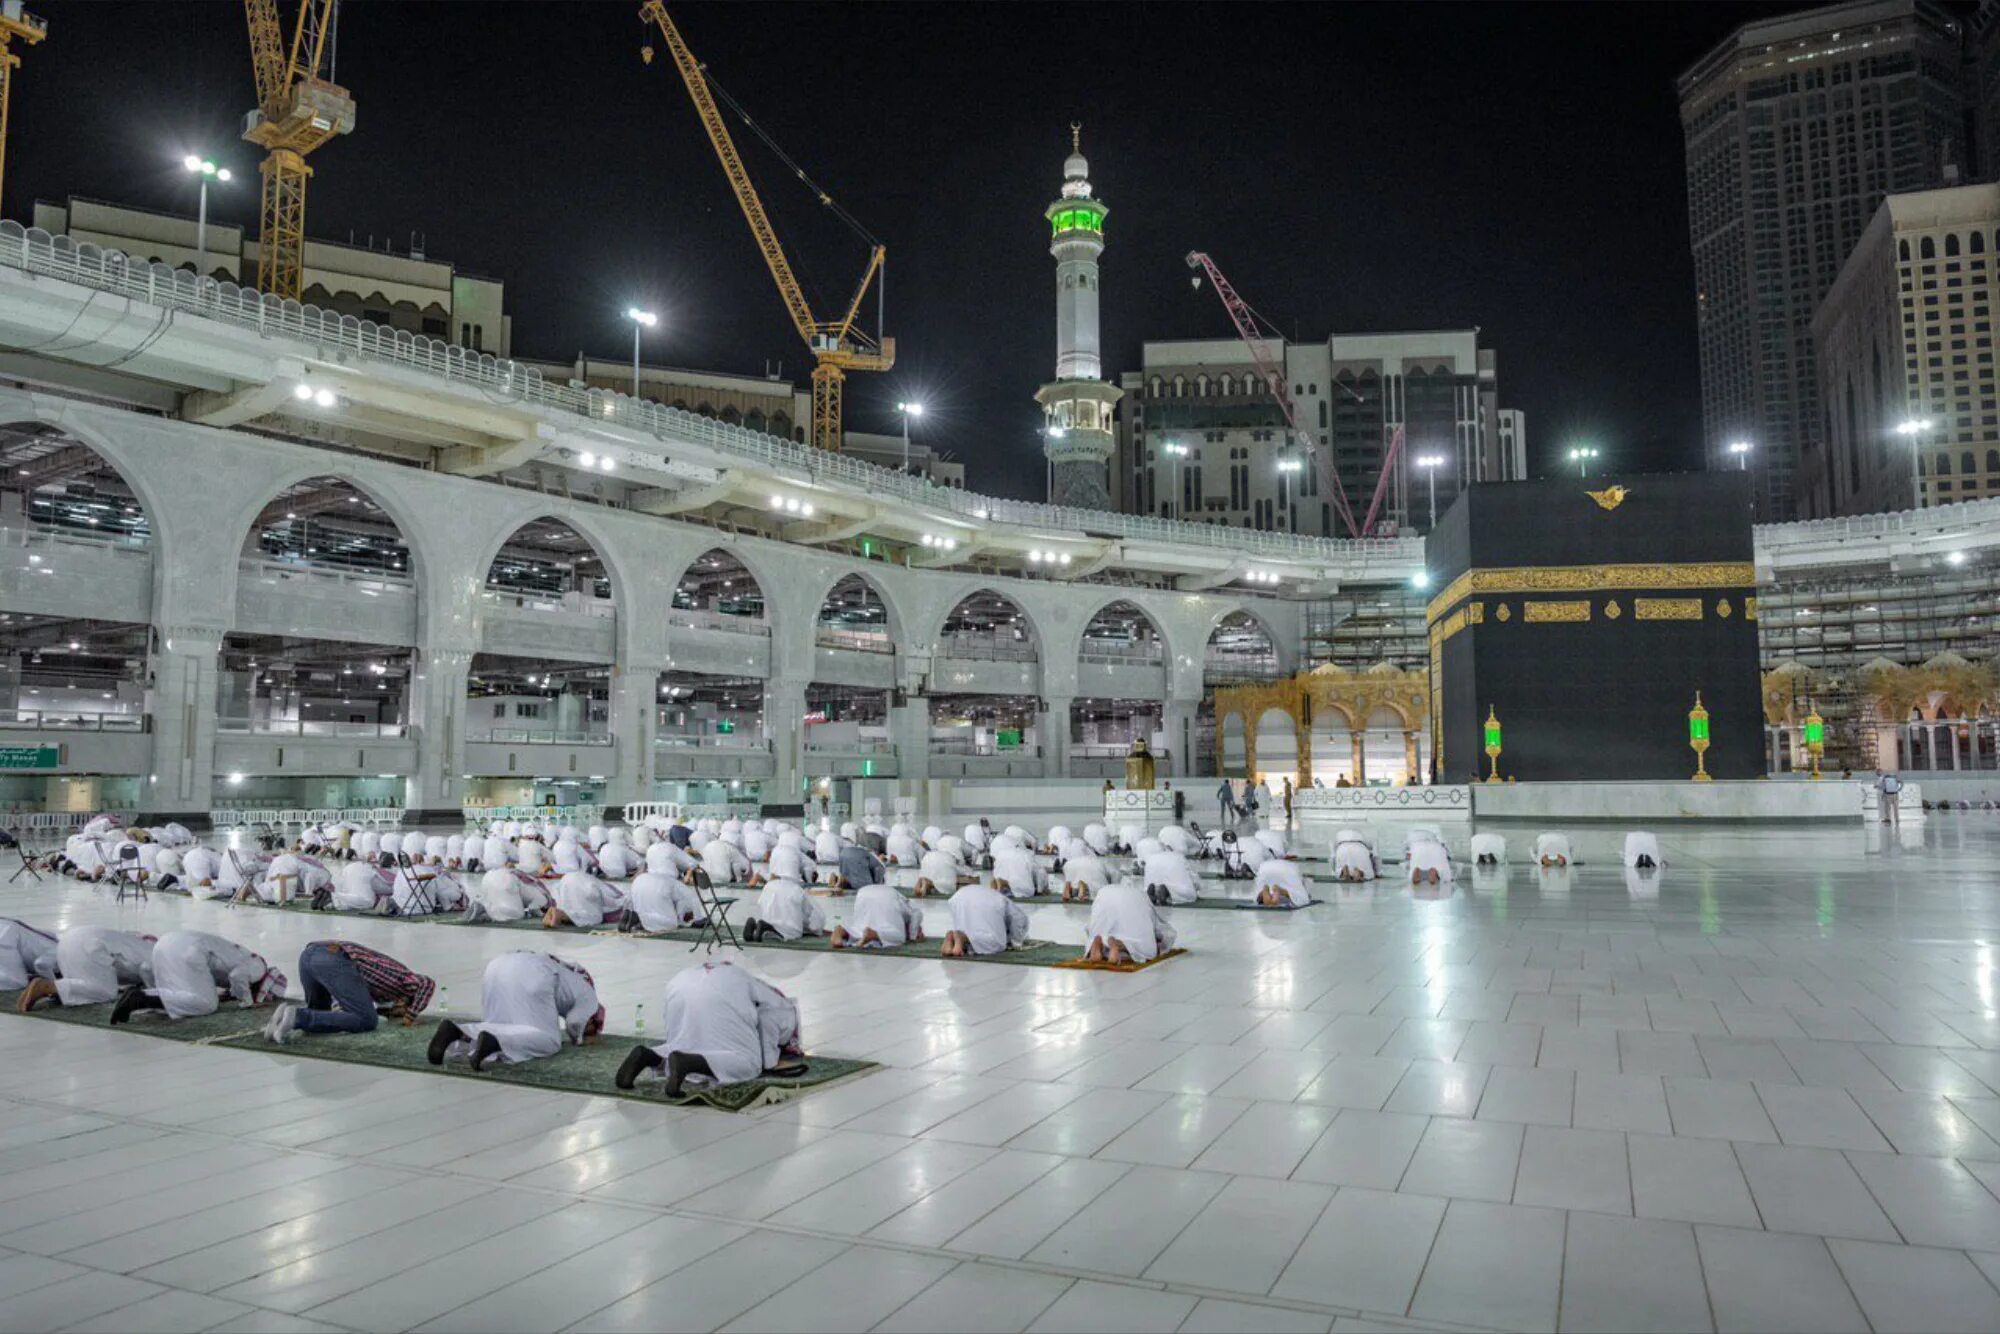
1353 859
757 841
977 836
159 865
725 863
902 847
1552 849
858 867
665 903
724 1025
93 964
239 871
504 894
193 971
1176 839
1273 841
454 854
25 952
1280 884
1083 872
984 921
1169 878
786 911
495 852
529 1003
666 858
789 861
571 855
581 899
617 861
201 868
1428 860
1642 851
1489 849
1058 838
826 850
1146 847
349 989
291 875
360 887
1015 871
941 872
1126 926
1097 836
880 918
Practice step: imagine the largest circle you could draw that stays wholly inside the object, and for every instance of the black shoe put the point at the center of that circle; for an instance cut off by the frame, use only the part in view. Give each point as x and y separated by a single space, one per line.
483 1051
322 899
447 1033
132 998
753 930
680 1065
637 1062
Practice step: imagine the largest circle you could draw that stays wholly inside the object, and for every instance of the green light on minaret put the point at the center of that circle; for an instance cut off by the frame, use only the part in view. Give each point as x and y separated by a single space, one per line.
1081 218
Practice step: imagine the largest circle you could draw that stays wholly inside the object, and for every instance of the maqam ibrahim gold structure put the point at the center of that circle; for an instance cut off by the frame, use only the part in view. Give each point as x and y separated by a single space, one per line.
1353 696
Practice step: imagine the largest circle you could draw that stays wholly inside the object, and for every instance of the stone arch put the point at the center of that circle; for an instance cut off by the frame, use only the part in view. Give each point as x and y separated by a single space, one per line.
1036 633
751 564
890 608
1092 612
1232 744
410 528
599 542
1277 750
1254 613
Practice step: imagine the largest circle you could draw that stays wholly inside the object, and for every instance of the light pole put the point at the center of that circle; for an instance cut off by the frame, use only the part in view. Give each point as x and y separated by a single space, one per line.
202 169
1288 471
1741 449
1179 452
641 321
1581 457
1914 430
1430 463
908 410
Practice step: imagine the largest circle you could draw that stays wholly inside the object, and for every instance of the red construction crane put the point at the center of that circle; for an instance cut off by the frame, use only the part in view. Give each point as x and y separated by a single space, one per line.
1251 328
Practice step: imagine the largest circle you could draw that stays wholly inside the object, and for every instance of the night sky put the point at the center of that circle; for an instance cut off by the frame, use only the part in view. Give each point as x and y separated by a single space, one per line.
1352 169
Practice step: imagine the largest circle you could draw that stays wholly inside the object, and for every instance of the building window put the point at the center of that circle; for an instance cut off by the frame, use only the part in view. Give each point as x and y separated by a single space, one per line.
1950 244
1927 248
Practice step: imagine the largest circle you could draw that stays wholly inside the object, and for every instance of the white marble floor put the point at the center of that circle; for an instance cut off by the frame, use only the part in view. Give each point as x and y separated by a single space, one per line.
1760 1092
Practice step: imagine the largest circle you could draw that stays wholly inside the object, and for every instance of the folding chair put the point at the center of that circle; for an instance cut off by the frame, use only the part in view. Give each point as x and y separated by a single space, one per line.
422 901
129 876
715 930
28 859
1201 849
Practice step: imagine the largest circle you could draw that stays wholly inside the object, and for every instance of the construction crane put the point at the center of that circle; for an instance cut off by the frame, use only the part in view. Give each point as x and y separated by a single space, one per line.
297 111
14 22
1250 327
837 346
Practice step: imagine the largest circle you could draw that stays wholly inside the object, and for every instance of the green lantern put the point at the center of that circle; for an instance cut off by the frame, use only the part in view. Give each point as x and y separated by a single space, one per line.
1493 743
1815 731
1698 738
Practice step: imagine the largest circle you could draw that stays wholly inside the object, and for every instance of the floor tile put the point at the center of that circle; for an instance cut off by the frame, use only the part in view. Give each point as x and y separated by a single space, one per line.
1367 1250
851 1292
1363 1148
1689 1180
1574 1169
1916 1288
1813 1191
1124 1230
1091 1308
1469 1160
977 1299
1244 1238
1774 1283
1494 1265
1632 1274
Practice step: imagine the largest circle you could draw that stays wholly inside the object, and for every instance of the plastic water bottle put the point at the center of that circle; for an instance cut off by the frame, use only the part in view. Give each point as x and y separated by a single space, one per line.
444 999
639 1020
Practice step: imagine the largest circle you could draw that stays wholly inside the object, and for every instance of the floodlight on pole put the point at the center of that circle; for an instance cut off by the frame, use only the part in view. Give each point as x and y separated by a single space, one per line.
1915 429
1177 452
641 321
1741 450
909 410
203 170
1430 463
1581 457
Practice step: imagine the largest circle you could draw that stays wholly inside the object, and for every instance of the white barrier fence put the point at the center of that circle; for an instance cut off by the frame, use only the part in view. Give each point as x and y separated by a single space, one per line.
375 817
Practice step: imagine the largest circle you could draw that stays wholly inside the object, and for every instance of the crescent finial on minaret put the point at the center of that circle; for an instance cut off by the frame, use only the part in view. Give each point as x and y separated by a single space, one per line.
1076 136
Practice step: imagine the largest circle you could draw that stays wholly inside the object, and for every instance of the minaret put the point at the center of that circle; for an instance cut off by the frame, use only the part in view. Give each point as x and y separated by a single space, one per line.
1078 435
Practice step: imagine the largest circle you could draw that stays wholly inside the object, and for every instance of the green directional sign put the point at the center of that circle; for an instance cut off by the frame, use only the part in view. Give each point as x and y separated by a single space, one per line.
28 757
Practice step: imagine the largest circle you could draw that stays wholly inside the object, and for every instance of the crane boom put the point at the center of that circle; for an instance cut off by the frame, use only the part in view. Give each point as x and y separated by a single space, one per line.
297 111
1274 378
14 22
835 345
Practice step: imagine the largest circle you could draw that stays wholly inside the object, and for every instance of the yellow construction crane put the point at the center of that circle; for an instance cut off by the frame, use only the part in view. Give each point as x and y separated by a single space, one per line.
836 345
14 22
297 111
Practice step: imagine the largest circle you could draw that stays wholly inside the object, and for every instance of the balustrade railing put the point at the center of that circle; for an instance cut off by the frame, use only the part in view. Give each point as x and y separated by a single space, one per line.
537 736
72 720
307 727
697 619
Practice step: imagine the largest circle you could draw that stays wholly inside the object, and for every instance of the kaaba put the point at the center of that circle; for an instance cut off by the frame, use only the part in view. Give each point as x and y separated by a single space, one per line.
1585 617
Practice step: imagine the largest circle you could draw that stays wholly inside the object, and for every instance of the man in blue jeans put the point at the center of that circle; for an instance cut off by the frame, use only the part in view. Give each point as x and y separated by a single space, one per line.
347 987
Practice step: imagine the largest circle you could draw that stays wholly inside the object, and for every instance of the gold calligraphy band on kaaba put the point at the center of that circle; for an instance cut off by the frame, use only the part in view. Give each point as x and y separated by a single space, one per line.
1592 579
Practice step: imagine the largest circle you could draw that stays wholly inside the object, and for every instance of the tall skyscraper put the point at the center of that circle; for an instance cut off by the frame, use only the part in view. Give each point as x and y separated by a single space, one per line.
1796 128
1079 431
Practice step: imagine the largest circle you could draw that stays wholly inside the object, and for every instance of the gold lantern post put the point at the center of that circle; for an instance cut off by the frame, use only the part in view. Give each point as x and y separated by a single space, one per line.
1815 739
1698 738
1493 743
1139 769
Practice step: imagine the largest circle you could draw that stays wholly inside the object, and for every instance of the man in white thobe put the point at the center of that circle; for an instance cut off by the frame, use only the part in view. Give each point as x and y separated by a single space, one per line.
789 861
1126 926
1552 849
361 887
1280 884
505 895
786 911
941 872
1058 838
1083 872
663 857
725 863
1642 851
1429 861
201 868
1353 859
983 921
1015 871
193 970
530 1003
1488 849
1176 839
1097 835
902 847
93 964
25 952
291 875
581 899
724 1024
617 861
1169 878
421 890
880 918
664 903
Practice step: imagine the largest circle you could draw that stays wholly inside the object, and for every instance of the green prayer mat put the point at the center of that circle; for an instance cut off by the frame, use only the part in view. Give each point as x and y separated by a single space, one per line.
1250 905
1035 954
587 1070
